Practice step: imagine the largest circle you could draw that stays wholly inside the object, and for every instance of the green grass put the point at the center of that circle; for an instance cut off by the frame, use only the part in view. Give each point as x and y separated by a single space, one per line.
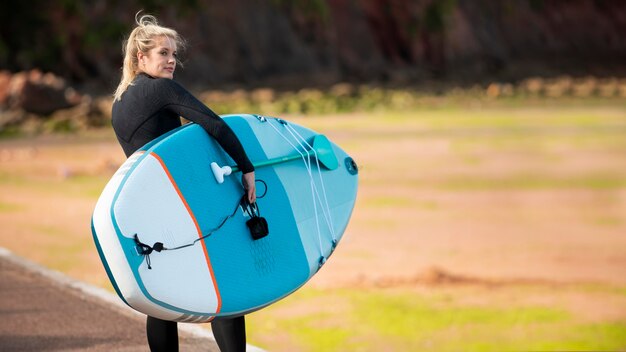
528 182
534 136
388 201
89 186
48 231
608 221
369 320
397 202
6 207
61 254
509 127
456 183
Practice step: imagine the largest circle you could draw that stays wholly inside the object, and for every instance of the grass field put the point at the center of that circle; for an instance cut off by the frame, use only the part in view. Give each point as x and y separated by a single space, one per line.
466 318
489 228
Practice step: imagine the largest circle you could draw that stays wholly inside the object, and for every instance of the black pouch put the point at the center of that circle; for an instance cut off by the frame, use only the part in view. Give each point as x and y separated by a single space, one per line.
257 225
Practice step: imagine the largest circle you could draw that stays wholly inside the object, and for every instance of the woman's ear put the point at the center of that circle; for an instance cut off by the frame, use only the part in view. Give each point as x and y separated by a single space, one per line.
140 56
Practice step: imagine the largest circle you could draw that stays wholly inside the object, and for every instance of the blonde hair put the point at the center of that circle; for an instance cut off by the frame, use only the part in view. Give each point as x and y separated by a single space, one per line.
142 39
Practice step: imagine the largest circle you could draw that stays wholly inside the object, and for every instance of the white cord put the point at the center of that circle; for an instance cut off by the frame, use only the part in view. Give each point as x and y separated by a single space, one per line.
327 213
307 162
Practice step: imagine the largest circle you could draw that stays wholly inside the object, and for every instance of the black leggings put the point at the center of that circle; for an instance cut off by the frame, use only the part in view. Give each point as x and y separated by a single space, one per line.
230 334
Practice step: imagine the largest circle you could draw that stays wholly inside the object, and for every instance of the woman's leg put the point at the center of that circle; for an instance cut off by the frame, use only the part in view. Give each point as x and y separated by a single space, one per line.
230 333
162 335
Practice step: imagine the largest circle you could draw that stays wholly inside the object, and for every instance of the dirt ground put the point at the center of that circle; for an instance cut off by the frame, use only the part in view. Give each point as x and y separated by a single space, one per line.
434 205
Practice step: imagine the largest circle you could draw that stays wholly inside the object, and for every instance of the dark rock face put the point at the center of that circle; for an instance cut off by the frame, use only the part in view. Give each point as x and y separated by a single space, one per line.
322 41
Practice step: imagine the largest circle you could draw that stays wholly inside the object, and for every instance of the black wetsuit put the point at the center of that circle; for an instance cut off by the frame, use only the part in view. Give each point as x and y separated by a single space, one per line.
149 108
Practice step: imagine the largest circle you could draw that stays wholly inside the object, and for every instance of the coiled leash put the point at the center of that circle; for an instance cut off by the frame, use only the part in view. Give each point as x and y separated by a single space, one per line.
256 224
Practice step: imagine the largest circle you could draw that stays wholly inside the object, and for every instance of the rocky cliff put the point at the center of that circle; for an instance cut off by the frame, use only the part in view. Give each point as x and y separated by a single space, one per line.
320 42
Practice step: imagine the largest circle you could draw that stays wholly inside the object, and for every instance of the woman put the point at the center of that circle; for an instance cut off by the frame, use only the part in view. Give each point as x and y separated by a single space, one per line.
149 103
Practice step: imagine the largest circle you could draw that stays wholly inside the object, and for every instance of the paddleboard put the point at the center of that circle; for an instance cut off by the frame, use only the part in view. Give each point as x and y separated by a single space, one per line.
170 225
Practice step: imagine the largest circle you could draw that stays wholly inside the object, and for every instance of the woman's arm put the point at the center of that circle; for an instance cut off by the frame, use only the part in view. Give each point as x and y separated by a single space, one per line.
178 100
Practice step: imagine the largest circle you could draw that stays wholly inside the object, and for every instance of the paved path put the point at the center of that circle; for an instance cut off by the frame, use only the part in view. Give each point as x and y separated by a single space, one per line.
43 310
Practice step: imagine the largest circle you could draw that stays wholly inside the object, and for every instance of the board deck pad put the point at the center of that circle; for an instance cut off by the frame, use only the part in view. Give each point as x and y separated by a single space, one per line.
167 193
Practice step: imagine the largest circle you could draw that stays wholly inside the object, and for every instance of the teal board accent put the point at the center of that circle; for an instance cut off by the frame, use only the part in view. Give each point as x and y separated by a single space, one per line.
106 264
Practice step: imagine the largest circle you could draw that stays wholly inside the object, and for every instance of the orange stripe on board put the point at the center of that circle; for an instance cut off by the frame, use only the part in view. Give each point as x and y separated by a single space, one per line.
206 253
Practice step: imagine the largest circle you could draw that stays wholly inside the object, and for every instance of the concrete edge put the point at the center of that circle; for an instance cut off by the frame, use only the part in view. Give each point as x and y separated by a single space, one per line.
102 296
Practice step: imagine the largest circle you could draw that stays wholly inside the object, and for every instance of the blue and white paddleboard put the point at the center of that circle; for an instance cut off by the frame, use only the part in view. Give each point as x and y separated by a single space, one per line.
182 190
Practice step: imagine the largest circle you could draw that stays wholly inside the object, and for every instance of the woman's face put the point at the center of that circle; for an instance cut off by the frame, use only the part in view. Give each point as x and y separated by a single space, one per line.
160 61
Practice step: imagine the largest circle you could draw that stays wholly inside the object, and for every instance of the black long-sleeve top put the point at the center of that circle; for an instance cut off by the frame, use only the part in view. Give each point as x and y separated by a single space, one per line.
151 107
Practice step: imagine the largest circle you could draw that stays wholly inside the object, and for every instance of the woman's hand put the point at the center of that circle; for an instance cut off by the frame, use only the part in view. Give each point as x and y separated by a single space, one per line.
249 186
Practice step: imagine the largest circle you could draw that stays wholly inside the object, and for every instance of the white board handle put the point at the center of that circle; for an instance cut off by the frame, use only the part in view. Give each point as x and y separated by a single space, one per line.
220 171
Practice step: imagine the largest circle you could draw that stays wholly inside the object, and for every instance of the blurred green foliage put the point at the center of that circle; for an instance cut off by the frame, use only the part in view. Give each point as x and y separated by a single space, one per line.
344 97
65 36
69 37
436 13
